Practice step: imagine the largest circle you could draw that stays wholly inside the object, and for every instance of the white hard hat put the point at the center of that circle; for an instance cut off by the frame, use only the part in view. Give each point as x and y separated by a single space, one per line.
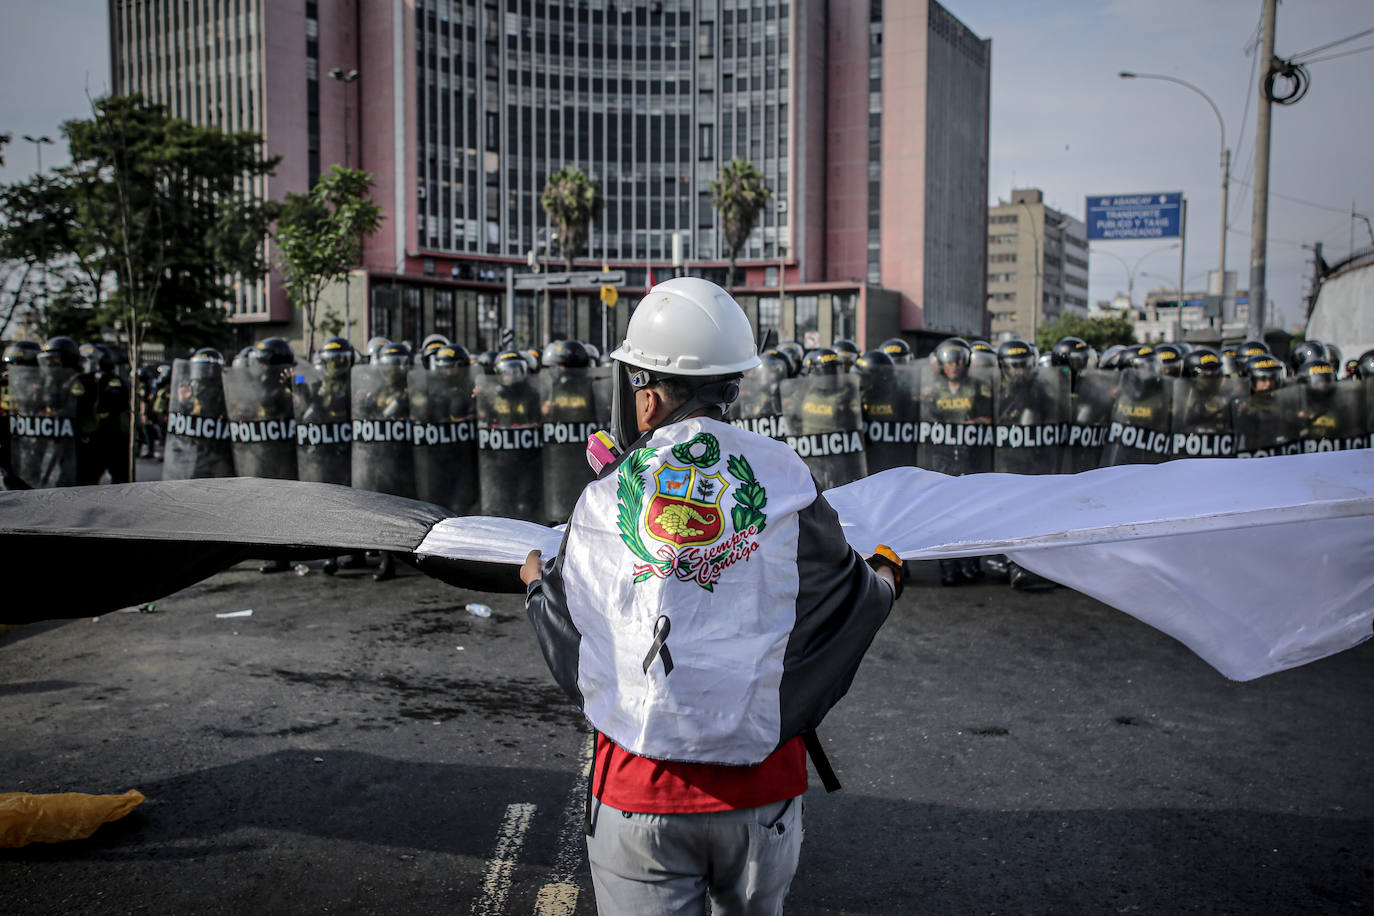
688 326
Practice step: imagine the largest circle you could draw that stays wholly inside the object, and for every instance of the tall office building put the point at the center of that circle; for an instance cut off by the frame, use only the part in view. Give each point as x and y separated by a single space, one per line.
867 120
1037 265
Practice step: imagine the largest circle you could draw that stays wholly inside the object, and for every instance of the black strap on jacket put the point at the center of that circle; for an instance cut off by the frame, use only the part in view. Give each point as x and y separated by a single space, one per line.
822 763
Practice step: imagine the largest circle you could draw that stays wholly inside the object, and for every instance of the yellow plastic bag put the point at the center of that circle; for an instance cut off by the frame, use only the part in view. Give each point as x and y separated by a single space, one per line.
26 818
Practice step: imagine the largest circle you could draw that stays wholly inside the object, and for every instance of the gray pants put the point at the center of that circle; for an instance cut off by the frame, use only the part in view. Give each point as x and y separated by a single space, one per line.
668 863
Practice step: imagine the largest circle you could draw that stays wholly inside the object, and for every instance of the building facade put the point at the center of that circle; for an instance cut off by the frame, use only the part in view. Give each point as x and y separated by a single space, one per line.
867 120
1037 265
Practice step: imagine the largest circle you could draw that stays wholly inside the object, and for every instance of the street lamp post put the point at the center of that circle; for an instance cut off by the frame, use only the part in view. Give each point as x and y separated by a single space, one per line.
1131 270
42 236
350 76
1225 159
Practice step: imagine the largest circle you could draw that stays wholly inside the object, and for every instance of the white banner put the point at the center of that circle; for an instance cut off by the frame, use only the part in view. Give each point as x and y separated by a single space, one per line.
1255 565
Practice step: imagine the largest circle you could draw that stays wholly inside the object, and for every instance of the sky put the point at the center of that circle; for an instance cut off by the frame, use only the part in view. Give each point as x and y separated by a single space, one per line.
1061 119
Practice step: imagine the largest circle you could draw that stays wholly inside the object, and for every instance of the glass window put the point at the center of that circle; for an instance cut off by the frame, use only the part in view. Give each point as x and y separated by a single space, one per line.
808 315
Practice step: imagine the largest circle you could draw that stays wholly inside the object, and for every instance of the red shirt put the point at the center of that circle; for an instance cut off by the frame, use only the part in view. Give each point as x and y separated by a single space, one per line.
632 783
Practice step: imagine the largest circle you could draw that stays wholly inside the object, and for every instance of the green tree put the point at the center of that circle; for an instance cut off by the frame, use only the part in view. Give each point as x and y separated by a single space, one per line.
1099 333
572 200
169 211
170 208
320 236
739 194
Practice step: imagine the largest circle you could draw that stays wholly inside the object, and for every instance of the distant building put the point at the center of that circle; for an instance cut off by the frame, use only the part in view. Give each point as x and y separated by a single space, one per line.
1037 265
869 121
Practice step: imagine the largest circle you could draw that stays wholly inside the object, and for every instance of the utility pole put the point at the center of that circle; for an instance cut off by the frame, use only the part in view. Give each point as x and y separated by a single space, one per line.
1259 221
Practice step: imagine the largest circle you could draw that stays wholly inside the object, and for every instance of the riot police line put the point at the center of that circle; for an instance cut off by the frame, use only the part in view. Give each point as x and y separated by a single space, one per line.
508 438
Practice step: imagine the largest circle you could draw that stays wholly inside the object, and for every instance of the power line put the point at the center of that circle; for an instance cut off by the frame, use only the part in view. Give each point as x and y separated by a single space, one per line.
1299 200
1317 60
1298 58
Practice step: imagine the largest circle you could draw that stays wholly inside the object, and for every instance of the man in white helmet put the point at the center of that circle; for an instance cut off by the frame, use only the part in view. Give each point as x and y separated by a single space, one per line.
705 612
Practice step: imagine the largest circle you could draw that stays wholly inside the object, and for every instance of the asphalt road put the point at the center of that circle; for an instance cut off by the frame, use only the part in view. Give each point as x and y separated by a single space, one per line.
362 747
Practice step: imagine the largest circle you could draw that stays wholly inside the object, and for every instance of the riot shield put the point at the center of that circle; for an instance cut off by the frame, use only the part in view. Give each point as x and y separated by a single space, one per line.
1201 425
382 457
1138 432
324 434
262 420
759 405
509 449
197 424
1090 411
824 418
1331 419
444 437
1031 414
956 431
1266 423
43 424
602 393
891 408
569 413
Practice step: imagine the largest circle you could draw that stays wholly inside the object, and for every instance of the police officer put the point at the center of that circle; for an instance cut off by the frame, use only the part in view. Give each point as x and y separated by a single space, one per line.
759 405
68 391
20 354
1071 353
795 354
956 431
569 417
510 439
890 410
1202 409
849 352
1264 425
825 419
382 456
984 357
1141 413
656 572
1328 417
1170 358
1307 351
431 345
111 440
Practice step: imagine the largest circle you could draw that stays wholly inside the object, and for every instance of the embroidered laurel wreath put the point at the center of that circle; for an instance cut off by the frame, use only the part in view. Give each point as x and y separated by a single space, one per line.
701 451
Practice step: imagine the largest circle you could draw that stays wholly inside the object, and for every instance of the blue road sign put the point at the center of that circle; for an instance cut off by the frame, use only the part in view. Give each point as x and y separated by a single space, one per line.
1134 216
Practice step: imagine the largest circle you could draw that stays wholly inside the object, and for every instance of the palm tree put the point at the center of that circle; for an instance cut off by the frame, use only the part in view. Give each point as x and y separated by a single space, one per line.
572 200
739 194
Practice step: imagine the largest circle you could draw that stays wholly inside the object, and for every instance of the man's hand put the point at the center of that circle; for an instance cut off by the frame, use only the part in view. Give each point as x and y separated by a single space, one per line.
533 568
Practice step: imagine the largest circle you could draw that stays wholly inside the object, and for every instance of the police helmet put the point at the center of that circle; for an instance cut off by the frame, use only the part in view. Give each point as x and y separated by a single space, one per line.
1305 352
486 360
952 350
334 354
873 361
898 349
206 363
96 358
1364 366
984 355
274 351
567 354
1072 352
774 366
511 365
593 353
451 356
22 353
375 345
534 356
1170 358
848 351
431 344
1263 369
394 354
1252 348
1334 356
1016 357
1318 375
1352 368
1111 358
794 354
60 352
823 361
1202 363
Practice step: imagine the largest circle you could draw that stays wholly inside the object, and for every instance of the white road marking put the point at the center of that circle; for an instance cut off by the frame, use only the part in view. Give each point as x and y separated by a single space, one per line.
496 882
559 896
